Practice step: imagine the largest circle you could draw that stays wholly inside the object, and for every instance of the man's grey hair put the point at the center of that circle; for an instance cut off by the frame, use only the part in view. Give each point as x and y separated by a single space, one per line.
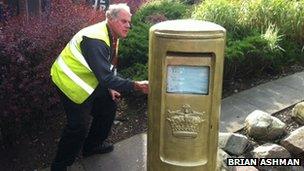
114 9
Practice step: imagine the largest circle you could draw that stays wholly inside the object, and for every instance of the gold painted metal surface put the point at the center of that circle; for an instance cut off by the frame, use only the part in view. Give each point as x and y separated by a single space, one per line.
185 123
183 127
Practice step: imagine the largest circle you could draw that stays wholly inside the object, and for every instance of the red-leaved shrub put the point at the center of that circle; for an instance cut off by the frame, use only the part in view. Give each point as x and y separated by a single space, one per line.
28 47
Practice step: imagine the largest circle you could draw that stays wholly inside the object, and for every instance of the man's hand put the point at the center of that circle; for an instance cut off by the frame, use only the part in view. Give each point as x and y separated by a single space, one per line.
116 96
142 86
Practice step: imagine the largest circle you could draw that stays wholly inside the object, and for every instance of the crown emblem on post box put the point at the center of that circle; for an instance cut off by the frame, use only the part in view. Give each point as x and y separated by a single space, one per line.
185 123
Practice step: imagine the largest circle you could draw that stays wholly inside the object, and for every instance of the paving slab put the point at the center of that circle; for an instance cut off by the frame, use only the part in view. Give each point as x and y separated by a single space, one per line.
233 113
128 155
295 81
77 166
271 97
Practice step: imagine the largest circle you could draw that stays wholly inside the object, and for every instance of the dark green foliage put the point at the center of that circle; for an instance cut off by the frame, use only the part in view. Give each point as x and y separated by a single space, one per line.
294 52
138 71
170 10
249 57
134 50
190 2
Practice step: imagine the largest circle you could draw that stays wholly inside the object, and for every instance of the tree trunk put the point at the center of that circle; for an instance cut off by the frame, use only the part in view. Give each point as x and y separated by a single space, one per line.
46 7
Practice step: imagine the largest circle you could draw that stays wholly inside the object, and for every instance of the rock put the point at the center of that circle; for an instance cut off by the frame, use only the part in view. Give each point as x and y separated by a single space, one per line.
233 143
297 168
244 168
270 150
223 139
279 168
295 141
221 160
298 113
116 122
262 126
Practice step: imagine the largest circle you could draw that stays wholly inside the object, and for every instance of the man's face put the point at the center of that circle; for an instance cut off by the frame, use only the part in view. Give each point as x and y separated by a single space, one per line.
121 24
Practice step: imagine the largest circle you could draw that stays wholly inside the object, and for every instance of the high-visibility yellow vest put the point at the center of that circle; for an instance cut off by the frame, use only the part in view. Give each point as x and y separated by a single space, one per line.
70 72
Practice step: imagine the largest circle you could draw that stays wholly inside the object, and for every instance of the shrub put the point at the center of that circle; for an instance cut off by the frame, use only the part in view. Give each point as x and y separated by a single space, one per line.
285 14
221 12
133 4
258 33
134 50
250 57
27 51
138 71
243 15
190 2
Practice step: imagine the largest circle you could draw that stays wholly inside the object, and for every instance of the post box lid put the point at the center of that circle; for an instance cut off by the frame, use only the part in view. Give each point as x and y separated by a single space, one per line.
188 28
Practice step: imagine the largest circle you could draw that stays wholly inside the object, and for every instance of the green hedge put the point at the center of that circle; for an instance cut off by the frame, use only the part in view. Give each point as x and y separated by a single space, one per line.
134 49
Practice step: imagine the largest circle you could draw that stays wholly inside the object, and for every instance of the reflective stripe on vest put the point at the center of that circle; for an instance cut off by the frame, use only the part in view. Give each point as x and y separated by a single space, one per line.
70 72
74 77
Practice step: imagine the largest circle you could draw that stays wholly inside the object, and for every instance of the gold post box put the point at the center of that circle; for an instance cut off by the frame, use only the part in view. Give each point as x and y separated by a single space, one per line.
185 77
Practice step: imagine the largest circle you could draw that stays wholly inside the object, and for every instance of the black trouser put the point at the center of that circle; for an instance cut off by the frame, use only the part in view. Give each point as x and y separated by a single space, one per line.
77 132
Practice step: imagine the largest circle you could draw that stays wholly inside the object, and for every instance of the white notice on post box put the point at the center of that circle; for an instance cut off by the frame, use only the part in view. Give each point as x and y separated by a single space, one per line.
188 79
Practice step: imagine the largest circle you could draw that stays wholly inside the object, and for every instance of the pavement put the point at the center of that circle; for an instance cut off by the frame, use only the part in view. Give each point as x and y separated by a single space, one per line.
271 97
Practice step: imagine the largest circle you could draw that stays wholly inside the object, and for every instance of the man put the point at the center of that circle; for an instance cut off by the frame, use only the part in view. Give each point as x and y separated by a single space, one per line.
84 74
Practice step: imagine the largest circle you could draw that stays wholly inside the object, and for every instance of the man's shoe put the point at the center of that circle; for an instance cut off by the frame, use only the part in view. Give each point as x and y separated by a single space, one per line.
101 149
